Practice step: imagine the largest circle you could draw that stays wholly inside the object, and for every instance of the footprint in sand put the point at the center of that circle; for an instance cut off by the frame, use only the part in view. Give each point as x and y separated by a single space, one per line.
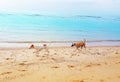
80 69
37 55
116 52
101 80
96 64
117 62
118 76
55 67
25 61
106 63
70 66
4 73
43 77
88 66
55 53
22 70
22 64
77 81
9 58
54 59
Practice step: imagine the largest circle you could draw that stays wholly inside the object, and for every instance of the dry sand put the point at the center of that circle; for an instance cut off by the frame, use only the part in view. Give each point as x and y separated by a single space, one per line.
60 64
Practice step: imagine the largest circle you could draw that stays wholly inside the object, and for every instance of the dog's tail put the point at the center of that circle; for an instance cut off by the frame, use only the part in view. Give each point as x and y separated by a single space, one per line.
84 40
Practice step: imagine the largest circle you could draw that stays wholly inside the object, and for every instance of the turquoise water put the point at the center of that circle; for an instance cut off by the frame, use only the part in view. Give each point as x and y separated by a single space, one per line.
36 27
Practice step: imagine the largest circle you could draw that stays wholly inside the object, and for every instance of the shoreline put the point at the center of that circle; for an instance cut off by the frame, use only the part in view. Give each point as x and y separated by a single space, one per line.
22 48
58 41
26 44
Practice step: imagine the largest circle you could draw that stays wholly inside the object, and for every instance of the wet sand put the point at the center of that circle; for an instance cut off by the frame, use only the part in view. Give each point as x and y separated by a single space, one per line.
60 64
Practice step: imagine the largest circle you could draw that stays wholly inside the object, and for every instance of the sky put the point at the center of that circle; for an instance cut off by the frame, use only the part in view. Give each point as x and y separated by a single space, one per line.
62 7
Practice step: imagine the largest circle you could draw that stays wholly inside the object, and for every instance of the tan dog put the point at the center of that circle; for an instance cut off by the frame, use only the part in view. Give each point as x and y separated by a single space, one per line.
80 44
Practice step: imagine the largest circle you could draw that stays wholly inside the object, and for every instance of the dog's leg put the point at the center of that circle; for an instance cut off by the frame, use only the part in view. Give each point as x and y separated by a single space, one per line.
73 54
75 49
81 48
85 47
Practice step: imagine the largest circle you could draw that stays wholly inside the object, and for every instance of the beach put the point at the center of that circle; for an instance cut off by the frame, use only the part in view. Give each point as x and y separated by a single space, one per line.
60 64
60 41
100 62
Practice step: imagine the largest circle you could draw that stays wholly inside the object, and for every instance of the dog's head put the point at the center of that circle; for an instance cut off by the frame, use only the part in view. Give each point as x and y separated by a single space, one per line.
73 45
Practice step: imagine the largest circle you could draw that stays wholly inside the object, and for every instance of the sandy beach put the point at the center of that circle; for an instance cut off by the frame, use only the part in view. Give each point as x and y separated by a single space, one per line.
59 40
60 64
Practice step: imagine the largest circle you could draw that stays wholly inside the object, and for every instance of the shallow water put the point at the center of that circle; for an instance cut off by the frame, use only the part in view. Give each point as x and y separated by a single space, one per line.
36 27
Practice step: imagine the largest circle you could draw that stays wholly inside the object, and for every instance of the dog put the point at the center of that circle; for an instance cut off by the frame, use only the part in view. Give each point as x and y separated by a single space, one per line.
80 44
44 46
32 46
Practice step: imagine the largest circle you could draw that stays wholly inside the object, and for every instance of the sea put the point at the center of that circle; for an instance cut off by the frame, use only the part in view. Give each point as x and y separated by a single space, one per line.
36 28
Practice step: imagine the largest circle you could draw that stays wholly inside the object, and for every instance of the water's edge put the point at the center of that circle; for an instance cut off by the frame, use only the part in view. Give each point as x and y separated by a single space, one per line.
58 41
4 44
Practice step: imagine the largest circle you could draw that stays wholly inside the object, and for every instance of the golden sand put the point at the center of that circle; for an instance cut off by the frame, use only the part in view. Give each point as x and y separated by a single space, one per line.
60 64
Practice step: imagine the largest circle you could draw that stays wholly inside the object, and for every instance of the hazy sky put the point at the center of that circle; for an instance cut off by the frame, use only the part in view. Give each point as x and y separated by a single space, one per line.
62 7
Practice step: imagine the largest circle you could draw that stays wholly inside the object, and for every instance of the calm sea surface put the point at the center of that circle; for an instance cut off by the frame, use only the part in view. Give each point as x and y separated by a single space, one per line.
36 27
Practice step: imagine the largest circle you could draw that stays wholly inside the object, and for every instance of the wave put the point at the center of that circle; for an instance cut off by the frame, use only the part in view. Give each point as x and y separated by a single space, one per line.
78 16
56 16
87 16
57 41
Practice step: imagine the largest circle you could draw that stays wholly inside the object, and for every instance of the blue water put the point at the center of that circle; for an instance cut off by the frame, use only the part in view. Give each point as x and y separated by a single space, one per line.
36 27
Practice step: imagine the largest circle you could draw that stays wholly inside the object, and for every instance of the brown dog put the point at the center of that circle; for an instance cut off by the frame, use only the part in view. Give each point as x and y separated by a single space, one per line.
80 44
